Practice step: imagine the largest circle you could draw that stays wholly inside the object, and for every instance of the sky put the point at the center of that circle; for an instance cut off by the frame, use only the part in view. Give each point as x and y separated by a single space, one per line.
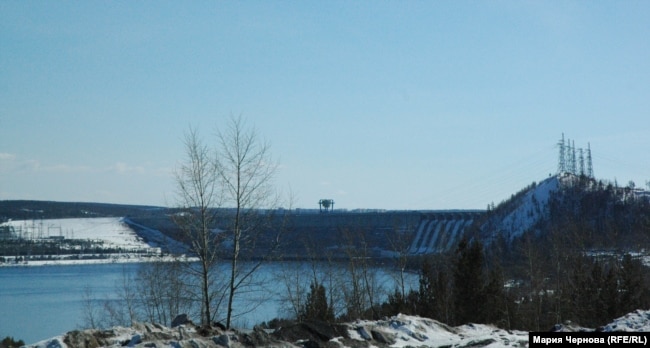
374 104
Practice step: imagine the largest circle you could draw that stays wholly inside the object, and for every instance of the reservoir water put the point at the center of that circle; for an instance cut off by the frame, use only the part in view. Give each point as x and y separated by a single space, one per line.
37 303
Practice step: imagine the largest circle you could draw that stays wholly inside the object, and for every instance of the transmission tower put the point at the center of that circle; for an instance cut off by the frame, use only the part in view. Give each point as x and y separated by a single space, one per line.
561 163
581 161
573 157
590 168
568 162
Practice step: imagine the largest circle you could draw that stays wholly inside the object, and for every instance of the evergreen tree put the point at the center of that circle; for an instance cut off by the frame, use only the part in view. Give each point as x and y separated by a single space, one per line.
434 296
10 342
426 294
496 302
633 290
469 297
316 306
398 303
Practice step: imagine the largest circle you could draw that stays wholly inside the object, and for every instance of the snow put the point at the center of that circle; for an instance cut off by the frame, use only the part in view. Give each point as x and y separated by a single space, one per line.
402 330
399 331
414 331
104 233
637 321
158 239
112 231
532 208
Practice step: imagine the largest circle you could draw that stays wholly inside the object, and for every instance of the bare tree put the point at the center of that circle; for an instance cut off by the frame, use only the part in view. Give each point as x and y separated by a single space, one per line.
90 310
363 289
400 238
245 171
236 177
198 192
123 311
163 289
294 276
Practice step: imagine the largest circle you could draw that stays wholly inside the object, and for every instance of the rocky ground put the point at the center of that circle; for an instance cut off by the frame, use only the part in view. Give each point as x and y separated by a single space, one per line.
397 331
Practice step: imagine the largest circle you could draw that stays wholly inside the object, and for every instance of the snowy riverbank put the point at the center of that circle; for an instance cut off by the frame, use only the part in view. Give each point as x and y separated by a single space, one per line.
81 241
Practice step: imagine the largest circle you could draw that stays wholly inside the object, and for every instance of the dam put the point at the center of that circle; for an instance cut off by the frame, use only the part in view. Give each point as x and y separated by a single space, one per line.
377 234
440 231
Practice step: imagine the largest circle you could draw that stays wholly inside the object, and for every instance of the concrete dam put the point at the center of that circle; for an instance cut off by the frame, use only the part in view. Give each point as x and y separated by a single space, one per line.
440 231
379 234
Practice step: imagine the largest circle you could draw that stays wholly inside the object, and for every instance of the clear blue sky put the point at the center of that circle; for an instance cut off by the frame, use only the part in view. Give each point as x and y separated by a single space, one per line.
375 104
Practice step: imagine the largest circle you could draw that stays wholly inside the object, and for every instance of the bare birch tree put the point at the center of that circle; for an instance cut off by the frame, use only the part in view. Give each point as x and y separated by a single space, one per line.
245 170
223 191
198 193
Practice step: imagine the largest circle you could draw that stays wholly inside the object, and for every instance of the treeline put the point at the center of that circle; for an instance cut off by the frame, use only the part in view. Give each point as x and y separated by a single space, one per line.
543 287
600 215
588 290
46 249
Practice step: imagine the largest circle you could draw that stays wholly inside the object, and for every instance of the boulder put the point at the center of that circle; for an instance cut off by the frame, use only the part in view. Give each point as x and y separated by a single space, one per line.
181 319
81 339
55 343
317 331
223 340
382 337
135 340
363 332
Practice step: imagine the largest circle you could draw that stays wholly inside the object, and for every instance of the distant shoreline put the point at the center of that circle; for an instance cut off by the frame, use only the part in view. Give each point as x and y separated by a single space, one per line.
96 261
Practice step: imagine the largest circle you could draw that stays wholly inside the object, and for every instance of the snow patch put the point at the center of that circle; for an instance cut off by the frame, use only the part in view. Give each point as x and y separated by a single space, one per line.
112 231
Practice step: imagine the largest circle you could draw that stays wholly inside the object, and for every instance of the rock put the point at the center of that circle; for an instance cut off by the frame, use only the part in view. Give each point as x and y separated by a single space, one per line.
311 344
479 343
162 335
258 338
311 330
363 332
222 340
219 325
181 319
135 340
55 343
81 339
382 337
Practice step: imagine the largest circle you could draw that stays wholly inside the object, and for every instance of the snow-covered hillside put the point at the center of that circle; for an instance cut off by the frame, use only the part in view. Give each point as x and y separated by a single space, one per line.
568 196
533 207
523 212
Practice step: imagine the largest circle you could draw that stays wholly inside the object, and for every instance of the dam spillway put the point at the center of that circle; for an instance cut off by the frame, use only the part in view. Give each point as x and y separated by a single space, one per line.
440 231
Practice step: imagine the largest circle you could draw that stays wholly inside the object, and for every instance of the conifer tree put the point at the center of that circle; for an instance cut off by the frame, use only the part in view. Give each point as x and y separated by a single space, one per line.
316 306
469 280
434 296
633 291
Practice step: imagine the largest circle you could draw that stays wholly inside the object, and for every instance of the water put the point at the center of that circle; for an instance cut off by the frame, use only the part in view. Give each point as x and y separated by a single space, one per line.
40 302
37 303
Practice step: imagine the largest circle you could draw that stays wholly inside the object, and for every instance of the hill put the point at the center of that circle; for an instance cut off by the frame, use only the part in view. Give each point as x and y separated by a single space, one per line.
595 215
